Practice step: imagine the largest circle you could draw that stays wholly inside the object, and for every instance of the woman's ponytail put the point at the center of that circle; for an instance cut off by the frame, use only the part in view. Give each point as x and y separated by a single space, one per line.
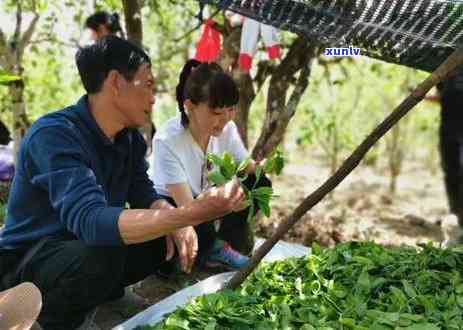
180 90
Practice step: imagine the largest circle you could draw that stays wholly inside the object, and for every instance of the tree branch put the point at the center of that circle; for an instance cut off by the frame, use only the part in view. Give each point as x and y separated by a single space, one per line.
26 38
450 65
299 89
197 27
4 51
17 31
264 70
74 44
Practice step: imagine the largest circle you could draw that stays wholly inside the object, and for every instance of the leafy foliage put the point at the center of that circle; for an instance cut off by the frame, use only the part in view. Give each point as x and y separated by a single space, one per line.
353 286
226 169
345 101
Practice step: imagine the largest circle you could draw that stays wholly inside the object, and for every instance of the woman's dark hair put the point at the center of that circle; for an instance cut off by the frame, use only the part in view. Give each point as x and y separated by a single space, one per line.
111 21
205 82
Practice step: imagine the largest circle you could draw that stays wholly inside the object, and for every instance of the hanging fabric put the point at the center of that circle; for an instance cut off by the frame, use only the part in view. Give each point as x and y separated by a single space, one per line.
209 46
249 39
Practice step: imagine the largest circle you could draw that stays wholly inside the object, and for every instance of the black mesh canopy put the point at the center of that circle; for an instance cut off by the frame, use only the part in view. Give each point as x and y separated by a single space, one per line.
416 33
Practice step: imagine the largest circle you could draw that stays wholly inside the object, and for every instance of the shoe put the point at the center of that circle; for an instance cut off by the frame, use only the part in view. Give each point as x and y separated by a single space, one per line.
238 233
224 256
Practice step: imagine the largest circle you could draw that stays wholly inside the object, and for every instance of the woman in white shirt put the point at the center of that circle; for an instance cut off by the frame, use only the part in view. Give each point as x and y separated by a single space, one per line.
206 98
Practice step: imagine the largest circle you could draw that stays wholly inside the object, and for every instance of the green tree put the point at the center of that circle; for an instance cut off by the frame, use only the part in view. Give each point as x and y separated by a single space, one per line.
11 59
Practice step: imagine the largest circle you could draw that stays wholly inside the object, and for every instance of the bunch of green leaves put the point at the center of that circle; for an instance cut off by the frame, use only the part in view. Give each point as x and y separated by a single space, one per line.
353 286
226 168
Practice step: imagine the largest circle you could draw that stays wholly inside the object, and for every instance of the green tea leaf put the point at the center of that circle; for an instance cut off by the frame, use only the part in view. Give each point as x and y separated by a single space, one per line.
228 167
264 207
243 165
409 289
459 288
259 173
211 325
177 322
269 165
364 281
263 191
356 285
217 178
423 326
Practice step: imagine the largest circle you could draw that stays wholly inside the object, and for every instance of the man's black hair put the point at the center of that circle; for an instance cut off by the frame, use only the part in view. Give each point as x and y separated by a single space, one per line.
94 62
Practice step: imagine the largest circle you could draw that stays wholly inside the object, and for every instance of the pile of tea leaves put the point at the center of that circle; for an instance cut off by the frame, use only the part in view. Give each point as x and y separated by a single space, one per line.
356 285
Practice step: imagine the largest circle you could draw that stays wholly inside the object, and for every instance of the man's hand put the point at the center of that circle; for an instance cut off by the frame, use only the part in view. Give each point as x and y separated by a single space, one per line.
186 241
224 199
162 204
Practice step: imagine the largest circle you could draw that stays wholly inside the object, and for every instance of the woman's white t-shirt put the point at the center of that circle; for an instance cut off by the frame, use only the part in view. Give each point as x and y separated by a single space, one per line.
177 158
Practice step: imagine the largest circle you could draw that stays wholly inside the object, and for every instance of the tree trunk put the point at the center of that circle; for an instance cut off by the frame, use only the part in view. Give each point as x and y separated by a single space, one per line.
228 61
11 55
441 73
20 121
134 28
279 112
247 96
133 23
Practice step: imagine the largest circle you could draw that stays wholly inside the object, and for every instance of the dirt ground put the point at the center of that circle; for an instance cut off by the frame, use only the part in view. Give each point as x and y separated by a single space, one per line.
361 208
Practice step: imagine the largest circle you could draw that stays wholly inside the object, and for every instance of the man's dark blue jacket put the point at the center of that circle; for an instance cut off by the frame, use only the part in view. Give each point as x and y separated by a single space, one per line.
70 177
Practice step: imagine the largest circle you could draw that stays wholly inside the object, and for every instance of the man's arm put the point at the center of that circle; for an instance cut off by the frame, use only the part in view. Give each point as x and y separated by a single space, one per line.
136 226
62 171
